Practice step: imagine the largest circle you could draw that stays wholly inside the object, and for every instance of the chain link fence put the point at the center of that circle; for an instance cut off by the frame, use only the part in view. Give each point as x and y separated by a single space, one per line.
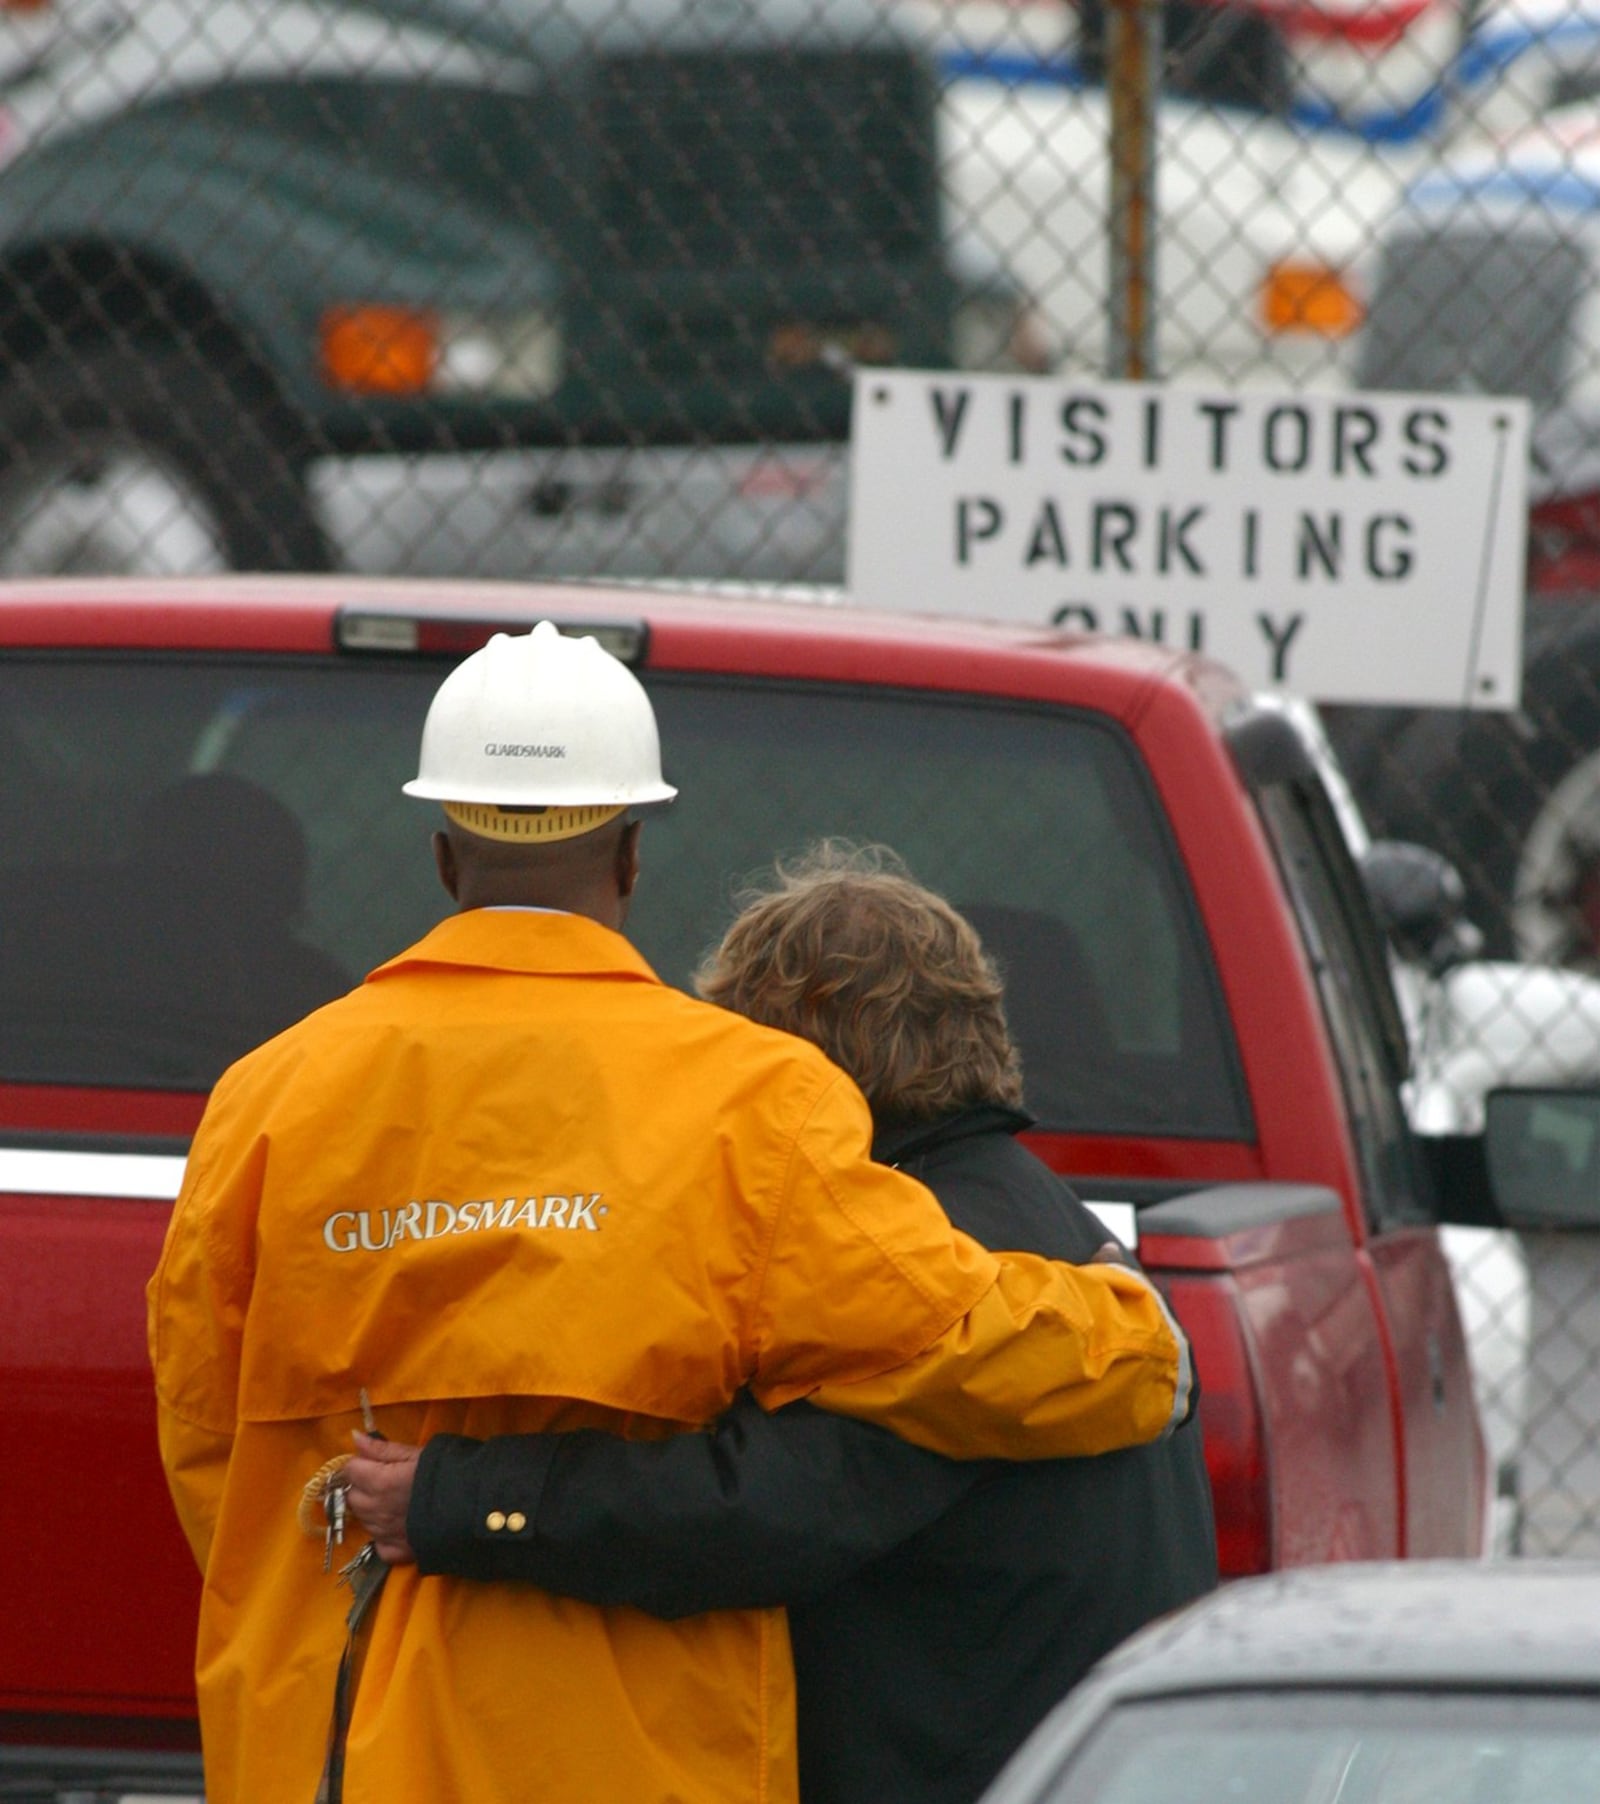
512 288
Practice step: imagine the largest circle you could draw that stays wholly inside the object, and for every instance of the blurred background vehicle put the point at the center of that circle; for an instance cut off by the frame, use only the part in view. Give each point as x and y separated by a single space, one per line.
283 285
571 289
1287 135
1513 63
1283 129
1487 282
1432 1684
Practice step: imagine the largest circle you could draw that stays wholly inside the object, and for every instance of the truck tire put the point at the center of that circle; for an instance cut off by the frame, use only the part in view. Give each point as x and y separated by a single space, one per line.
1514 799
145 462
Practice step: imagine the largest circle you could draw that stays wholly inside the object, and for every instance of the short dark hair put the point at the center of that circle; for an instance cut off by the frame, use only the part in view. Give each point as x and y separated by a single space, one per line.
845 949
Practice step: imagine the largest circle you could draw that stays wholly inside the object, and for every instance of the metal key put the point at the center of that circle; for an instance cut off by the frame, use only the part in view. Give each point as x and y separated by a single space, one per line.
333 1507
359 1573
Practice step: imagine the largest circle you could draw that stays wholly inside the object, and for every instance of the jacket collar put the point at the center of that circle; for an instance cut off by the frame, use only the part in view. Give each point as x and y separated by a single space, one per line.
894 1142
526 941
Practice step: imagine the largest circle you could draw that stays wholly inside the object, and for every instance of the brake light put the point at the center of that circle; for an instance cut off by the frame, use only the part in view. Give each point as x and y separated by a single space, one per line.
378 350
1230 1419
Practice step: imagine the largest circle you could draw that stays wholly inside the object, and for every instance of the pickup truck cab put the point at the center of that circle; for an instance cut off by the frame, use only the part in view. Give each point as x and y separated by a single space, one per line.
202 835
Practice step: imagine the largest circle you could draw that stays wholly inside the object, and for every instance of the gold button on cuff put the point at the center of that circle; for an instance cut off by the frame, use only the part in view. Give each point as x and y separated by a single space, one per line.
516 1522
495 1521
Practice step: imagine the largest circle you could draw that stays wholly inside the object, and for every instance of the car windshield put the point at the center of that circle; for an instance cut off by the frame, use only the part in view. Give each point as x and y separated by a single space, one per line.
1345 1747
195 852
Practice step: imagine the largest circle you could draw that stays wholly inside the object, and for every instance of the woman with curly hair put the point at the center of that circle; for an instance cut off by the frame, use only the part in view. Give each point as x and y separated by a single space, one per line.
937 1608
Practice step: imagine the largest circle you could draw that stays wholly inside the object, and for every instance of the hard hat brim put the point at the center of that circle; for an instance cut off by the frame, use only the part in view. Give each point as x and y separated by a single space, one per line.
538 795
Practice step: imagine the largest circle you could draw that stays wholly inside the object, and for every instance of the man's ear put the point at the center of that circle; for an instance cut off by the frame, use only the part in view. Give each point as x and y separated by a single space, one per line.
444 858
628 859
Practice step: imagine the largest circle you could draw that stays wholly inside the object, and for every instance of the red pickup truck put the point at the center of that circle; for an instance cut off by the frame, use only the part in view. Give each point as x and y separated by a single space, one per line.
202 835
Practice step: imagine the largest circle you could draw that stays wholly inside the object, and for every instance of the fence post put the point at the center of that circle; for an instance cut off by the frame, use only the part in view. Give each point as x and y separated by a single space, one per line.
1133 81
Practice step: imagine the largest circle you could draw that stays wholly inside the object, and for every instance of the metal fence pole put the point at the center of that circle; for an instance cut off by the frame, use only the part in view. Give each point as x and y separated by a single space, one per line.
1133 66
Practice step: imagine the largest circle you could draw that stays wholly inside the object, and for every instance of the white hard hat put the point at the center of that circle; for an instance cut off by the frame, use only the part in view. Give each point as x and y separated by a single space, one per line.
543 722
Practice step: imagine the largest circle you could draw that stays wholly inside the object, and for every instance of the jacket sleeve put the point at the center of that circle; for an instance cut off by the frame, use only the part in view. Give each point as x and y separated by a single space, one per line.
1053 1359
754 1512
873 1306
196 1303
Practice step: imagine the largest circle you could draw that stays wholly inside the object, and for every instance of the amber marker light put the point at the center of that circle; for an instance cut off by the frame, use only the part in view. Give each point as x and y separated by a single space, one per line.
1309 297
380 350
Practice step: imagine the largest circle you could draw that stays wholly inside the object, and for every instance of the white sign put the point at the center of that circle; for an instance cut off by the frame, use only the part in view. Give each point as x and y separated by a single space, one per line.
1354 547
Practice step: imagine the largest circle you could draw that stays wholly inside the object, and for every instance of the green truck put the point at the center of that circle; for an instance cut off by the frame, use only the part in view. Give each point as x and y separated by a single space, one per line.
439 287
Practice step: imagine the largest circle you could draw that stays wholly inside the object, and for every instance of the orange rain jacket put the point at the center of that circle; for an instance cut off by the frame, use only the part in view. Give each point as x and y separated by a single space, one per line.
513 1182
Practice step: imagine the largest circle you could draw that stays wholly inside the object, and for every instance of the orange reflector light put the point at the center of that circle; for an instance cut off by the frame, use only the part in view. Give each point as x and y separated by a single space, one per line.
376 350
1309 297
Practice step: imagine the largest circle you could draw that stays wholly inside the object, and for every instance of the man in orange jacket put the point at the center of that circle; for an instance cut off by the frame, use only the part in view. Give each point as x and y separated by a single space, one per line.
512 1182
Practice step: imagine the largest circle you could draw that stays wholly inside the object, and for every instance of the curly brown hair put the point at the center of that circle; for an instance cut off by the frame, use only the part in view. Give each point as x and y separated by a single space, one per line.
845 949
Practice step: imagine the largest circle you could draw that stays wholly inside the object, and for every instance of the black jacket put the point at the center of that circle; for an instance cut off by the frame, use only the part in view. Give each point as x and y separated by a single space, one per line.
938 1608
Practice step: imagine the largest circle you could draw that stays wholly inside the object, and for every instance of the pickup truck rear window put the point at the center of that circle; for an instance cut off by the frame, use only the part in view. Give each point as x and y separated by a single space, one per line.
194 852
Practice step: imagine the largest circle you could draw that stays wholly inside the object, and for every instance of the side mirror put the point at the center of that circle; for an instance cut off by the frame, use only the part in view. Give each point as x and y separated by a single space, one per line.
1420 902
1542 1152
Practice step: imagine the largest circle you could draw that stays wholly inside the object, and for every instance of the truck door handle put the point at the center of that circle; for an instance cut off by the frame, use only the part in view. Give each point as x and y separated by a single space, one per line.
1436 1372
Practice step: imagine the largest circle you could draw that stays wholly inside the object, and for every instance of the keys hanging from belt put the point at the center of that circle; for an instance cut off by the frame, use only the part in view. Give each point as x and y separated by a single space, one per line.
324 1506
